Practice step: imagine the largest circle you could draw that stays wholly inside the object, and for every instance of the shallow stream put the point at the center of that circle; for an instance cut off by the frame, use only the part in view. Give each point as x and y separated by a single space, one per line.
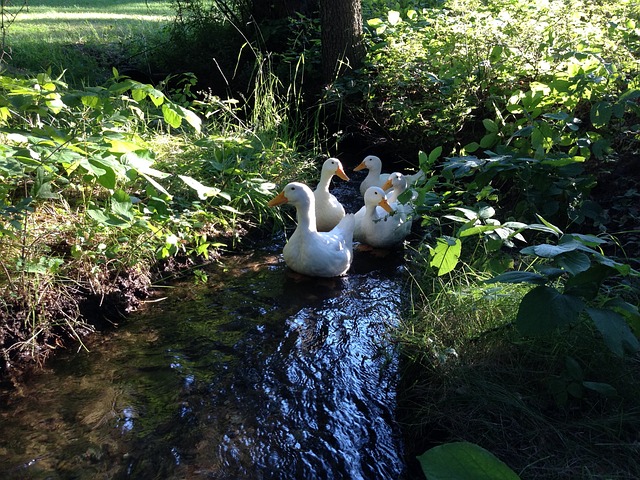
256 373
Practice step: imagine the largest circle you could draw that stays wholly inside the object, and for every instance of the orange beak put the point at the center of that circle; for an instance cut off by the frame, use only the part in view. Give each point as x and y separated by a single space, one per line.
362 166
385 205
278 200
387 185
341 174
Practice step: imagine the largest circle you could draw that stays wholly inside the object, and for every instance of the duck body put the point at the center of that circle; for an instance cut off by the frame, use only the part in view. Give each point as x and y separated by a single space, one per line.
377 224
329 211
313 253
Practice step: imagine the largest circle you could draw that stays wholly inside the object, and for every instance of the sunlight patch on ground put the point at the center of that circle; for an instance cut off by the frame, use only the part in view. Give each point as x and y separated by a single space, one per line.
91 16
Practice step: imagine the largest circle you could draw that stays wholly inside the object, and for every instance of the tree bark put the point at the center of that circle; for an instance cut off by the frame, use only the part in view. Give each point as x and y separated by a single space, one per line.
341 37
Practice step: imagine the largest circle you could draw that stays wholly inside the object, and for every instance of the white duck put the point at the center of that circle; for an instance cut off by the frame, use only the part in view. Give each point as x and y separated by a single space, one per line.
396 185
377 228
376 178
329 211
313 253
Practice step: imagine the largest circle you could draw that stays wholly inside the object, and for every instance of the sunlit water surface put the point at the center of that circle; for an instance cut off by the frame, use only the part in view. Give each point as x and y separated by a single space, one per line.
255 374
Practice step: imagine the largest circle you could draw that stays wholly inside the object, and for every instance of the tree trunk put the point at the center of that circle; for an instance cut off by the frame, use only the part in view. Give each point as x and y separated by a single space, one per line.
342 47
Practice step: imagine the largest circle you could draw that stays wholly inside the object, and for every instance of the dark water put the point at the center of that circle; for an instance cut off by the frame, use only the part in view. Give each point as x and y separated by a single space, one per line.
256 374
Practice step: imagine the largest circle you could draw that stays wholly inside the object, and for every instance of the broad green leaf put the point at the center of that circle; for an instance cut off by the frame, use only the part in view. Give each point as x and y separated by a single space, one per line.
121 204
106 219
393 17
108 179
622 268
471 147
434 155
486 212
463 461
586 284
574 262
589 240
490 125
573 368
203 191
142 164
615 331
445 255
602 388
489 140
550 251
628 311
92 167
544 309
467 212
601 114
191 118
121 145
519 277
91 101
155 184
171 115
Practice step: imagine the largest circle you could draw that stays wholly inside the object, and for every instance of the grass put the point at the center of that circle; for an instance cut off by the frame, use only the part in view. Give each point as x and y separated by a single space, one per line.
468 375
559 405
87 38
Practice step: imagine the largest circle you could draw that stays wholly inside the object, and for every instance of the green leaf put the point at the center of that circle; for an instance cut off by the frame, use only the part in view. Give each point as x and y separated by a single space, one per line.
121 204
445 255
628 311
552 227
106 219
496 53
574 262
615 331
573 368
171 115
544 309
622 268
486 212
601 114
519 277
488 140
471 147
434 155
602 388
467 231
191 118
204 192
550 251
393 17
463 461
587 284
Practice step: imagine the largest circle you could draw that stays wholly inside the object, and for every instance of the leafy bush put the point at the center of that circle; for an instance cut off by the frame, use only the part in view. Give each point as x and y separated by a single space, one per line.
433 74
106 181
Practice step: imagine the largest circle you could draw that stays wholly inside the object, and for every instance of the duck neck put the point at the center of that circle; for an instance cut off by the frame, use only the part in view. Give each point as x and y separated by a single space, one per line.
325 180
306 216
372 212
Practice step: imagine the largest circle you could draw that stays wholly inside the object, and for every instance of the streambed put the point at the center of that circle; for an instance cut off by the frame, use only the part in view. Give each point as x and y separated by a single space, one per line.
256 373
